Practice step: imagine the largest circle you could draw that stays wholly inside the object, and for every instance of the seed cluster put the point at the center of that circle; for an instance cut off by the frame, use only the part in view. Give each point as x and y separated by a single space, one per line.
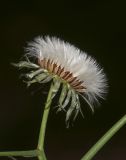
52 67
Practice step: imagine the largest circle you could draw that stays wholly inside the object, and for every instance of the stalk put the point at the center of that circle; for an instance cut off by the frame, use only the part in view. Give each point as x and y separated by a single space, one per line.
39 152
30 153
108 135
43 125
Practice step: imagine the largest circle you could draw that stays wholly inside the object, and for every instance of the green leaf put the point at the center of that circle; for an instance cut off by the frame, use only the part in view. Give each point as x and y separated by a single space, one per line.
34 73
62 97
25 64
39 78
67 99
63 94
77 108
46 80
56 86
72 107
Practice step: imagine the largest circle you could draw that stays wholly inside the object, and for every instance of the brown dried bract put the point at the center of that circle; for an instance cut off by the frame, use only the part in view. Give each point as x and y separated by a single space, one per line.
60 71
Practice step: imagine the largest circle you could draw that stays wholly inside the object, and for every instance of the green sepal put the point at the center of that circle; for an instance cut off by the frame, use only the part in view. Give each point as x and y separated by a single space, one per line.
47 79
77 108
34 73
39 78
56 86
25 64
67 99
63 94
72 107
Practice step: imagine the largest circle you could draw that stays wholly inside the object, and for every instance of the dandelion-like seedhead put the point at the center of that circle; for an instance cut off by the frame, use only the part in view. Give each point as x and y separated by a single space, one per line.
76 72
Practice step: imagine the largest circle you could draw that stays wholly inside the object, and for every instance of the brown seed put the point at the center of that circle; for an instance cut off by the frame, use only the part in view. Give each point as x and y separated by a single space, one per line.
48 63
62 71
51 66
72 79
54 66
59 70
66 75
43 62
40 62
78 83
56 69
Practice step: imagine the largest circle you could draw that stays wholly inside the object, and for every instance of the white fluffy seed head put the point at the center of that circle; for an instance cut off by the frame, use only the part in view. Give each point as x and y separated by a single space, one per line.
72 59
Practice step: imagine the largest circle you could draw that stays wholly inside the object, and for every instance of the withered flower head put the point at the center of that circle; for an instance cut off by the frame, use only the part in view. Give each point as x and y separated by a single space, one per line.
75 71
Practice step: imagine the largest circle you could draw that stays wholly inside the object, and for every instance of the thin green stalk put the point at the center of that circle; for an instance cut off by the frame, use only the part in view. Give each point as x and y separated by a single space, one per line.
42 156
43 124
39 152
109 134
31 153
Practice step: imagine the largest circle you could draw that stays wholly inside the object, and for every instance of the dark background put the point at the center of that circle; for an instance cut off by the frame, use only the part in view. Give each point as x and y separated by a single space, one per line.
98 28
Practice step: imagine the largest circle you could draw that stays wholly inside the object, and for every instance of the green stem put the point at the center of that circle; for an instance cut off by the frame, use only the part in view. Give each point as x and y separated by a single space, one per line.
109 134
39 152
42 156
31 153
43 124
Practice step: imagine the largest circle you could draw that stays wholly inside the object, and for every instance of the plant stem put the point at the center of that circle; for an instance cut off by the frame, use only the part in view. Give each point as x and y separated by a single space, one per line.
42 156
39 152
109 134
43 124
31 153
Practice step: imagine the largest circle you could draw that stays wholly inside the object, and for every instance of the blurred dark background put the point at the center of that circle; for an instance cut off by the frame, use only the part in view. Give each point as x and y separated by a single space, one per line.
97 27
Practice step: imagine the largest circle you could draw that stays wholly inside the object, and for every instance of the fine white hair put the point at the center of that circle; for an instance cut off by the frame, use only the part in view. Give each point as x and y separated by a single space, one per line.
74 60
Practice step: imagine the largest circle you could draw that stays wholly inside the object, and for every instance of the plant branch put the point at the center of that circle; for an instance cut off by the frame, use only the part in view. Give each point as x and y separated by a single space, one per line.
30 153
43 124
109 134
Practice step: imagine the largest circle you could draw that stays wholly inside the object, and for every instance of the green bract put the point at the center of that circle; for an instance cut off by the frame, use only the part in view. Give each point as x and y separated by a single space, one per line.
68 96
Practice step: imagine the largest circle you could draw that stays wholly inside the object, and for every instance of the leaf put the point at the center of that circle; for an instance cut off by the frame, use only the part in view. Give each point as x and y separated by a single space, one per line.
63 94
34 73
56 85
77 108
46 80
66 101
62 97
39 78
25 64
72 107
29 83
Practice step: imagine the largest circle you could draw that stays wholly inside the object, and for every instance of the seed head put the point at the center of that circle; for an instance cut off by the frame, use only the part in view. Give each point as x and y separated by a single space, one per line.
65 64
